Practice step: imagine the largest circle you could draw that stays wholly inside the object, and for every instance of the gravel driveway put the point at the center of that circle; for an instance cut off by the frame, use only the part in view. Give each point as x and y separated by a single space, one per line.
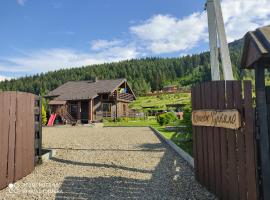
108 163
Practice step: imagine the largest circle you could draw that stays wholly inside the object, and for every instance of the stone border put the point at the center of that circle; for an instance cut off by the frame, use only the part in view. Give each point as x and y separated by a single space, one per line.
47 154
177 149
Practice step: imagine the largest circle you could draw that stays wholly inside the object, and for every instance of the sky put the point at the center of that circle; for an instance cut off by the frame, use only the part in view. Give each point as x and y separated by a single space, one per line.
45 35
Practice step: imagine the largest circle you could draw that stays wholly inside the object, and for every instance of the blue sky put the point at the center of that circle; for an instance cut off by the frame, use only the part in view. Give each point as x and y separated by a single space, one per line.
45 35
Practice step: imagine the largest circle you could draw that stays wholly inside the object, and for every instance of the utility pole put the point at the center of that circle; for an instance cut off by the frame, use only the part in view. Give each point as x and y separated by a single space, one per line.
213 40
217 34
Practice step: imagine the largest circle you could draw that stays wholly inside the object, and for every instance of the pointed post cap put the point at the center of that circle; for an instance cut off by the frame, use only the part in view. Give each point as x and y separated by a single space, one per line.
256 49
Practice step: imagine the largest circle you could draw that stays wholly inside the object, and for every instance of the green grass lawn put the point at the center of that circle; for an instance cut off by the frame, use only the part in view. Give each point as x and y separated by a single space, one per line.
173 136
160 101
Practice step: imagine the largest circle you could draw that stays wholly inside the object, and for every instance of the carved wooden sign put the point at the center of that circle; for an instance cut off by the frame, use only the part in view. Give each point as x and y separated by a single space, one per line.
229 119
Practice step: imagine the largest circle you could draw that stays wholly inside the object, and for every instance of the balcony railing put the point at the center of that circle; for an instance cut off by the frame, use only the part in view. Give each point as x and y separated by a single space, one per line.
100 115
125 96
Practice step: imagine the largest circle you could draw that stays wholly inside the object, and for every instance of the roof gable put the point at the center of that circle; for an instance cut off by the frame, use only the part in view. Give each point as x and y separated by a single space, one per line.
84 89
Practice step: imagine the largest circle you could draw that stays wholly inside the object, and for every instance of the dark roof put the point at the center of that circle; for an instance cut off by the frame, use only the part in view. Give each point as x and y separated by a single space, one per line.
256 47
85 89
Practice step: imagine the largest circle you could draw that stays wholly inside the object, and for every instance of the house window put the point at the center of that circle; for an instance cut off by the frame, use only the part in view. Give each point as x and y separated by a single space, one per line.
106 107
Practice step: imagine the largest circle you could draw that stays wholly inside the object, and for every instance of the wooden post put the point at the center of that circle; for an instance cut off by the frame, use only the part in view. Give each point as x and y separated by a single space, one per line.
224 49
116 103
79 109
213 40
263 130
40 131
90 110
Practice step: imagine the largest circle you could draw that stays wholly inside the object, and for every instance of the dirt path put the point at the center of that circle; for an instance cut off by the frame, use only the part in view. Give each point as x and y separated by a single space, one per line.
108 163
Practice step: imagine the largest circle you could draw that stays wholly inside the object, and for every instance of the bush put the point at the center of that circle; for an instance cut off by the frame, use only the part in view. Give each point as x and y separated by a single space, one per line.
187 118
44 117
166 118
122 119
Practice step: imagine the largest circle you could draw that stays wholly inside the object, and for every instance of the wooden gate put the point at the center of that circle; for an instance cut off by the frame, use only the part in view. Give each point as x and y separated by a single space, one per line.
17 136
225 159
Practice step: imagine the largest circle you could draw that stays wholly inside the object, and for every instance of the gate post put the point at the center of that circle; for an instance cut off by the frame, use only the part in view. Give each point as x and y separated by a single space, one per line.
263 130
256 54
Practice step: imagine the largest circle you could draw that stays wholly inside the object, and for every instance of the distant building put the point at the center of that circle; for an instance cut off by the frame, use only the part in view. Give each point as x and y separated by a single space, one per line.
170 88
88 101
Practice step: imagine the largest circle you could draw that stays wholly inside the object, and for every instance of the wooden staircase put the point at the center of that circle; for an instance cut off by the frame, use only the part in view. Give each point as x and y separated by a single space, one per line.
67 116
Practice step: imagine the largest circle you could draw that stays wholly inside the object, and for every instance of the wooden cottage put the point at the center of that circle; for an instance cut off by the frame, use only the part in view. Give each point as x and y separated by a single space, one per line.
89 101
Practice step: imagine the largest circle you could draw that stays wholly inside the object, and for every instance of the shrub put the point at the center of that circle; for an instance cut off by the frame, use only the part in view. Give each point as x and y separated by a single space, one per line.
166 118
44 117
122 119
187 118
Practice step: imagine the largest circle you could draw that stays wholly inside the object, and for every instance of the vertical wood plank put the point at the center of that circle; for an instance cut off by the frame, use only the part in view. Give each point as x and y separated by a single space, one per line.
194 135
223 143
232 160
25 134
3 140
204 98
210 136
217 144
250 143
241 160
19 138
28 135
11 139
200 138
31 133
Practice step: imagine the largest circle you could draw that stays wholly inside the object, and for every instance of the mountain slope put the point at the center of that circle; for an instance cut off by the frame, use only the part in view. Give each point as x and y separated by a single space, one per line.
143 74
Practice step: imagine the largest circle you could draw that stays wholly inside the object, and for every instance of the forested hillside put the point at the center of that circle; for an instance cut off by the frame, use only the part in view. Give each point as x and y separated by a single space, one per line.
143 74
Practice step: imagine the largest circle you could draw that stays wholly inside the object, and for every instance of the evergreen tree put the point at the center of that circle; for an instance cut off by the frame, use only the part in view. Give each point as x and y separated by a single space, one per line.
143 74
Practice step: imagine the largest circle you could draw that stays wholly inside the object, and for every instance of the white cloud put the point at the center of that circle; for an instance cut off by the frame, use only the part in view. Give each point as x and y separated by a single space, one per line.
21 2
166 34
241 16
104 44
53 59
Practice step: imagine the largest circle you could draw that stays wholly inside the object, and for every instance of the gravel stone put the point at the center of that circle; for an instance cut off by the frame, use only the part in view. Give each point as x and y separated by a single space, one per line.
108 163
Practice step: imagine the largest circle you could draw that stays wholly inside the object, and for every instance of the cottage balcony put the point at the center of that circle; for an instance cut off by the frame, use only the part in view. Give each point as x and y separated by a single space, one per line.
125 96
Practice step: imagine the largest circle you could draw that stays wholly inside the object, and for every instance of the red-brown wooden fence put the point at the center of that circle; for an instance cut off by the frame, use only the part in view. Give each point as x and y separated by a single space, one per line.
17 136
225 159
